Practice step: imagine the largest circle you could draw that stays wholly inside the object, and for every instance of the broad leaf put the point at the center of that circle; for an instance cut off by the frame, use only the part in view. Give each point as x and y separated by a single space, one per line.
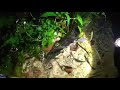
80 19
50 41
80 30
68 19
47 14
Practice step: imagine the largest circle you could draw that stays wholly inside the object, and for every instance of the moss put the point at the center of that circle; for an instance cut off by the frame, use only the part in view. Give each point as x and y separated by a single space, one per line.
18 70
18 67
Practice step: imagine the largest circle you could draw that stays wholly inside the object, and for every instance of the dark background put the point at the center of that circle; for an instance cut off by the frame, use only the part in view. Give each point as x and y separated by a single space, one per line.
116 31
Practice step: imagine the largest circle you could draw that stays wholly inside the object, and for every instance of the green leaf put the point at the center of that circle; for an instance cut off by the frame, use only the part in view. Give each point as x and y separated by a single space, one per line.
31 31
49 33
58 14
80 30
47 14
62 31
80 19
50 41
44 42
39 28
13 40
68 19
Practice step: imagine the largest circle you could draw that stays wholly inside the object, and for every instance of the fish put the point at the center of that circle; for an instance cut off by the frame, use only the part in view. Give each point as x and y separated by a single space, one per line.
3 76
81 40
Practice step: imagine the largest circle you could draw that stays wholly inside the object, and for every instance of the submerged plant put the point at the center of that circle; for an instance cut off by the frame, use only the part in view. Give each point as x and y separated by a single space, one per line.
31 37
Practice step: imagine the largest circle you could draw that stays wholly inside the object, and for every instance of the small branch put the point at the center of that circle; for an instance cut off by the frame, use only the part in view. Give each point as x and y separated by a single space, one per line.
89 62
31 15
73 18
28 35
83 48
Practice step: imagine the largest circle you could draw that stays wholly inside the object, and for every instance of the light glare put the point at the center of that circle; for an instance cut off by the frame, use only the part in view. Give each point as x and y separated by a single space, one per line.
117 42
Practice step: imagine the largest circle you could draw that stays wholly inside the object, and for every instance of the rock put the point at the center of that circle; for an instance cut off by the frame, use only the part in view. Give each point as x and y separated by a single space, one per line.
33 68
68 69
73 46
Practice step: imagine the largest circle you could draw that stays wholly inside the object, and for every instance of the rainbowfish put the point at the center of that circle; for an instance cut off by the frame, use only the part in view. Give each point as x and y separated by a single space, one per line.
81 40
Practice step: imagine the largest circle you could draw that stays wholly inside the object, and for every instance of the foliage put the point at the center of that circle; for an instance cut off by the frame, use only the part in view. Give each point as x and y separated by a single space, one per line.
62 15
6 66
84 18
32 38
18 66
47 14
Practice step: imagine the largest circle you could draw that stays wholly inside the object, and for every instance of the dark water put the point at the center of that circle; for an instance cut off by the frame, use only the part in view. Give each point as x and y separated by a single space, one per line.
116 31
116 24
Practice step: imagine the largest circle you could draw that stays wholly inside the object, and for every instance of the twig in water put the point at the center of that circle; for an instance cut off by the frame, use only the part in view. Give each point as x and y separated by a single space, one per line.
89 62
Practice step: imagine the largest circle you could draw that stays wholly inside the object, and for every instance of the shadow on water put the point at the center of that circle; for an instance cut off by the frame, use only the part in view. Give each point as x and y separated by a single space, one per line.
116 30
104 46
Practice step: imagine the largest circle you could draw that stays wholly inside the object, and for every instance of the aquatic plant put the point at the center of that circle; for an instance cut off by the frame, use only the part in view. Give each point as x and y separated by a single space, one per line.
31 37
